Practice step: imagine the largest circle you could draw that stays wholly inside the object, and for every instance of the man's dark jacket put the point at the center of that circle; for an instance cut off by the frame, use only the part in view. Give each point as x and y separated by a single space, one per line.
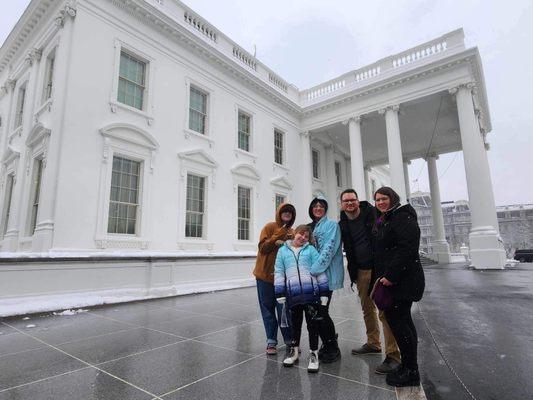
368 216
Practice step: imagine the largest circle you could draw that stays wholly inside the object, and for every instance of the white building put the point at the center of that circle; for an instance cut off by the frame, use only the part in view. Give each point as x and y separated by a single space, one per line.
135 124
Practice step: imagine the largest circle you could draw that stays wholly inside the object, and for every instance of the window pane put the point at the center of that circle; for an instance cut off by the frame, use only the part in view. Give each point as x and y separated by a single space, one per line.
243 212
194 206
278 146
123 204
131 84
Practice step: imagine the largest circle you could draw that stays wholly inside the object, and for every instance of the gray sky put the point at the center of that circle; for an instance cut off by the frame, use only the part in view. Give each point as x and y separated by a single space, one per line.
309 41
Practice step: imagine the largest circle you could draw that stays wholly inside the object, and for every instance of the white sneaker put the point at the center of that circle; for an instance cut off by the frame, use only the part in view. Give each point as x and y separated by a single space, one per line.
292 358
313 361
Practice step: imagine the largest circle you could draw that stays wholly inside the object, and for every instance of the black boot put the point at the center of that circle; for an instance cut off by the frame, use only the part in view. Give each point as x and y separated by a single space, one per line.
403 376
331 351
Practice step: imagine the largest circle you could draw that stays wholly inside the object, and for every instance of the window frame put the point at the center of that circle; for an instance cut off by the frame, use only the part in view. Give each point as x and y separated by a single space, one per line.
142 85
189 133
249 133
250 213
205 115
204 200
18 120
283 146
9 185
338 173
49 74
314 151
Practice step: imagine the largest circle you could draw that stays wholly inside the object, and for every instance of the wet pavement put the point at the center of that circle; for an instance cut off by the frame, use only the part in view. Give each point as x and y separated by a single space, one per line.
474 328
475 333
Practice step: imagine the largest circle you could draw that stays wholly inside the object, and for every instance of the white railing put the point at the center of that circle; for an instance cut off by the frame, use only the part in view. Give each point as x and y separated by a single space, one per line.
325 89
453 40
244 57
200 25
277 81
418 54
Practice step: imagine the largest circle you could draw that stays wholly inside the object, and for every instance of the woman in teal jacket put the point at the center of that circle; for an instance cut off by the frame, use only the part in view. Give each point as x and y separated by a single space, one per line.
328 242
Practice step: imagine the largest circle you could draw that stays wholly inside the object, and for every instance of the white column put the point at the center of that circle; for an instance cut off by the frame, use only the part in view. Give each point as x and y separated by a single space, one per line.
441 248
44 230
406 176
306 177
348 162
368 188
331 183
394 146
356 156
486 248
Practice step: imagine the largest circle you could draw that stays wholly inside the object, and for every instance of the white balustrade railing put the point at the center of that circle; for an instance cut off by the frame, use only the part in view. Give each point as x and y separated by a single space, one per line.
326 89
277 81
200 25
244 57
418 54
366 73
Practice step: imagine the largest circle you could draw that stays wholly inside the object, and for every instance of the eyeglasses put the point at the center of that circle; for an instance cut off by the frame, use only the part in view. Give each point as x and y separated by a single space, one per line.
350 201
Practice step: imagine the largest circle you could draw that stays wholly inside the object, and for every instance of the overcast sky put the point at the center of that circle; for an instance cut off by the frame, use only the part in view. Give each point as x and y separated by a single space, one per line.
309 41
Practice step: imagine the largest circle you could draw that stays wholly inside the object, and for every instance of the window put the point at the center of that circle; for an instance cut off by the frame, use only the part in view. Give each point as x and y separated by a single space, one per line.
243 213
124 199
197 110
7 202
316 164
278 147
244 131
338 175
195 204
49 76
131 82
36 190
279 200
19 116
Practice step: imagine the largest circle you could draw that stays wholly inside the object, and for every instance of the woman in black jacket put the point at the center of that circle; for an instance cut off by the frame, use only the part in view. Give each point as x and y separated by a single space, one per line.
397 266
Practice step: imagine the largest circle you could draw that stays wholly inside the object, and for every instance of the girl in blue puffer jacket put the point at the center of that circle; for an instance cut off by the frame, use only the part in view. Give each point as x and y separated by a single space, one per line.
294 284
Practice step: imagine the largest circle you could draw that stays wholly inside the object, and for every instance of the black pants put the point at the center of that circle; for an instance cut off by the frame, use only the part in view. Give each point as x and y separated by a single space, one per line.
404 331
326 328
311 312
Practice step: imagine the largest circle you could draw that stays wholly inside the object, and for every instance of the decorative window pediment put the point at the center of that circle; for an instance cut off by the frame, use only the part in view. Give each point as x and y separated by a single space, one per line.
37 134
281 182
246 171
198 156
131 134
9 155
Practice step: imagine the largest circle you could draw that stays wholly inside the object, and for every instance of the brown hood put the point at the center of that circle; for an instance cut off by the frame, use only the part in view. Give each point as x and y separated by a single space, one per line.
285 207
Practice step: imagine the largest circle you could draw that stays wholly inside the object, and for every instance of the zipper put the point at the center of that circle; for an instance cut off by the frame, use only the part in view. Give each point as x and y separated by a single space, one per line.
297 258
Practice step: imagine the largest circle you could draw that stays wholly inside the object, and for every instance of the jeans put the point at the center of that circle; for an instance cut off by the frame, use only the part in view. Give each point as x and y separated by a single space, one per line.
311 313
269 306
326 327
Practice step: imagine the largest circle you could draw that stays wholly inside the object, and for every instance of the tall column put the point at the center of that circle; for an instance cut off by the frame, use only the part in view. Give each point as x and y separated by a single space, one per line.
406 176
44 230
348 162
307 170
394 146
356 156
441 248
368 188
331 183
486 248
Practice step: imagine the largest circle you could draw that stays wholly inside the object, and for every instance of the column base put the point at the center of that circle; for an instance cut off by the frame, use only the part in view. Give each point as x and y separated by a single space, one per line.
486 249
11 241
43 237
441 252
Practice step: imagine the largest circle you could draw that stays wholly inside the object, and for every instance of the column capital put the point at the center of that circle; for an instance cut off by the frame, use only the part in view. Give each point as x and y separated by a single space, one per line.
356 118
69 11
305 134
471 86
10 84
431 155
394 107
33 56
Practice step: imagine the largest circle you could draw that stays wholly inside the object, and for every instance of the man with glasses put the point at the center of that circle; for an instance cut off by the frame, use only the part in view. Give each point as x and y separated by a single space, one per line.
356 223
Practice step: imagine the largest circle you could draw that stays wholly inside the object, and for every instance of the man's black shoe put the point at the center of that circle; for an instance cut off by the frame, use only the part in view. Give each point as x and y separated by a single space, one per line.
365 349
403 377
387 366
331 351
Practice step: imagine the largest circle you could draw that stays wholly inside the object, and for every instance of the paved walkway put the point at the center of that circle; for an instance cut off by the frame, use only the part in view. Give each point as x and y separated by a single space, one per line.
208 346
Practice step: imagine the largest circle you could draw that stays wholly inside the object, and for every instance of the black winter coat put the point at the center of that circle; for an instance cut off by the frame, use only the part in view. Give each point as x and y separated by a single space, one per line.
396 245
368 215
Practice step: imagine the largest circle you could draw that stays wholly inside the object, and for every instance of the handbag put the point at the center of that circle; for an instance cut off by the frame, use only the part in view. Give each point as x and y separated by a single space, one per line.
382 296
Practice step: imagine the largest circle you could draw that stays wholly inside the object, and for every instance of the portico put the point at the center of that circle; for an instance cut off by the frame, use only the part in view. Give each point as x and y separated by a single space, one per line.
432 105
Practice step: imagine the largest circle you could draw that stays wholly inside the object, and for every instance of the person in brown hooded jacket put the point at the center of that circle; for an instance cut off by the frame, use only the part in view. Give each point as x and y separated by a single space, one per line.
272 236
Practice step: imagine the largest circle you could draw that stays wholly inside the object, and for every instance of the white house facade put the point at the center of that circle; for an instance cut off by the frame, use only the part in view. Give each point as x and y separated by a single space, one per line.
135 125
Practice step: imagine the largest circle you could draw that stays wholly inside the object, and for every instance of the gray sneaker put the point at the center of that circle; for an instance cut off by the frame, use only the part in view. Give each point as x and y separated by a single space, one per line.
365 349
387 366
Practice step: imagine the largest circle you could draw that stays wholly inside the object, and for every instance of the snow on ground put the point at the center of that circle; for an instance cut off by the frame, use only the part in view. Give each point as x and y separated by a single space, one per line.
36 304
121 254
